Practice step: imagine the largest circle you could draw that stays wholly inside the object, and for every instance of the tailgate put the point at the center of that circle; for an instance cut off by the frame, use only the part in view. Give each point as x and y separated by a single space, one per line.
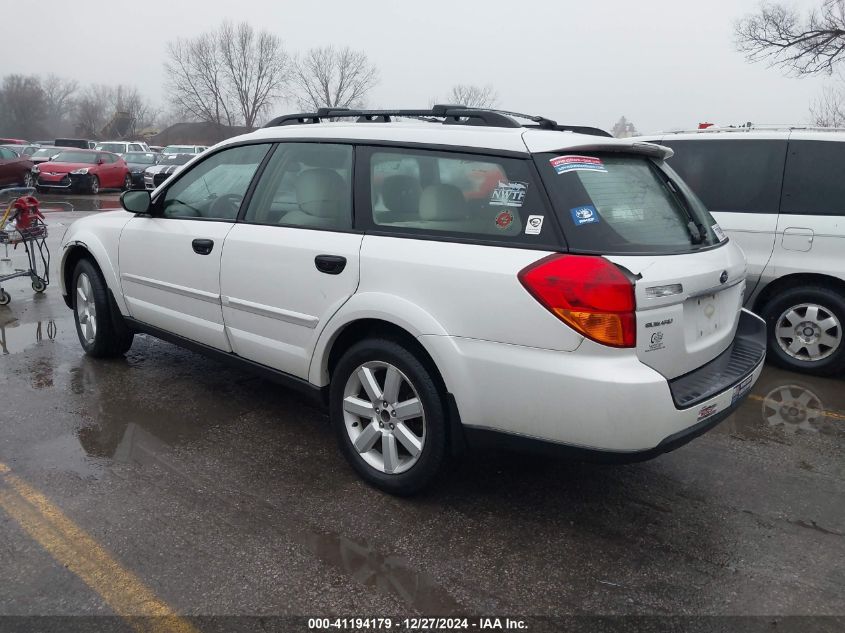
688 306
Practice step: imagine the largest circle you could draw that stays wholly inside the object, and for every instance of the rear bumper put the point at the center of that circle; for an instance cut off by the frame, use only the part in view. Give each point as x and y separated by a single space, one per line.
588 402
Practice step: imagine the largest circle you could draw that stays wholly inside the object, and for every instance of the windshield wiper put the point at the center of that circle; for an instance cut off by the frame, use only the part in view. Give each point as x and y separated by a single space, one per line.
696 230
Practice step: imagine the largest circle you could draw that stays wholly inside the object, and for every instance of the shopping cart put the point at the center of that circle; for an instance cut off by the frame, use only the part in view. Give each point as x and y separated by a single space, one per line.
21 223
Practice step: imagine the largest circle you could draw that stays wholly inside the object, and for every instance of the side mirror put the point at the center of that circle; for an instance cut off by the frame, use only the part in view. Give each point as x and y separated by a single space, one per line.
136 201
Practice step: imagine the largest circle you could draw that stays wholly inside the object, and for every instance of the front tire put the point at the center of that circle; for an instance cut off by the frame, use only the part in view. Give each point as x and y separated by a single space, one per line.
127 182
28 180
94 187
389 416
805 330
99 326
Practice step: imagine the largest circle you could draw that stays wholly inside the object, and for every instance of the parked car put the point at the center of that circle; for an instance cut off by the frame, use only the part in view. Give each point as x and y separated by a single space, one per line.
168 164
14 170
83 170
22 150
74 142
184 149
780 195
121 147
156 148
13 141
587 303
138 163
46 153
44 143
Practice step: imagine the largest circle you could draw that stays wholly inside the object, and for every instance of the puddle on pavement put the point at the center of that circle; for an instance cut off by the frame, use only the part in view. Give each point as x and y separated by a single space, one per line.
15 336
790 404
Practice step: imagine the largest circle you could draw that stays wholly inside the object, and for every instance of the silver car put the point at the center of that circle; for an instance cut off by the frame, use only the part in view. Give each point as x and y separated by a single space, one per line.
780 195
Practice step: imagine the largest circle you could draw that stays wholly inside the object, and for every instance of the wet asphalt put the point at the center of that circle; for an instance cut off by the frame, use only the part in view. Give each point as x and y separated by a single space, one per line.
225 494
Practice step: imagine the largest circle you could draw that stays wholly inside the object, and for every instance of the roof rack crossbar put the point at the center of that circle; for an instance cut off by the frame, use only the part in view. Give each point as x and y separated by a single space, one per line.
449 114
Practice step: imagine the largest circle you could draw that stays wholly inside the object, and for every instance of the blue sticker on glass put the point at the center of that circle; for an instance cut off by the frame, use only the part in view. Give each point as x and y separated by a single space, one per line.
584 215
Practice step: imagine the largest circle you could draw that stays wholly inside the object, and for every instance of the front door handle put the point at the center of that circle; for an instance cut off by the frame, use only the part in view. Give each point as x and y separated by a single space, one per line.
330 264
202 246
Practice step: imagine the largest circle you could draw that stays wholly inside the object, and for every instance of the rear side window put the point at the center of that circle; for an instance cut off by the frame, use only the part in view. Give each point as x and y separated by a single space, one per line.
737 175
624 204
421 192
815 178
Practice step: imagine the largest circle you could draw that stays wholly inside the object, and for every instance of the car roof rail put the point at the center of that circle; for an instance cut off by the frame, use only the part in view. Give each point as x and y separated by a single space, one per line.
750 127
447 114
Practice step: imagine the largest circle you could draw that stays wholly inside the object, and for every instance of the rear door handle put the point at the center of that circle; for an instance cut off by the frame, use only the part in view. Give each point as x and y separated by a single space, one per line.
202 246
330 264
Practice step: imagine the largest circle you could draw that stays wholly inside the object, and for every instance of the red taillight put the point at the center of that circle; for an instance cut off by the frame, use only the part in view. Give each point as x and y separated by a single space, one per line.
588 293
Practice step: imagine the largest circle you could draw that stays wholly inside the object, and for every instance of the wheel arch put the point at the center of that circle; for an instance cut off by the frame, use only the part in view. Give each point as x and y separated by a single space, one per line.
93 250
794 281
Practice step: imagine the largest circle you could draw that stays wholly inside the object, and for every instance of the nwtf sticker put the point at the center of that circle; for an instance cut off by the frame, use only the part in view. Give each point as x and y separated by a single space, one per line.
534 224
509 194
564 164
584 215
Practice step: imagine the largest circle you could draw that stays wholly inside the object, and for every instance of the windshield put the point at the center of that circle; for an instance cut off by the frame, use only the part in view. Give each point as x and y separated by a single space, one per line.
179 149
615 204
175 159
46 153
140 158
117 148
89 158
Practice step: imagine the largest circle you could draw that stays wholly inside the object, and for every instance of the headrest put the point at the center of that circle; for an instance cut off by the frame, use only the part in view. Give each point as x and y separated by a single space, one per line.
442 202
401 194
322 193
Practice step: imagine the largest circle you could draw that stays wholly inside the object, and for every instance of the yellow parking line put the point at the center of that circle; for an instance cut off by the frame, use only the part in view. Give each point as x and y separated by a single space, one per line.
73 548
833 415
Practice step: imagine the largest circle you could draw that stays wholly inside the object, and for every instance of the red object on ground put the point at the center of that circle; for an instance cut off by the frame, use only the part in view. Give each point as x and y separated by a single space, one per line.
704 126
26 212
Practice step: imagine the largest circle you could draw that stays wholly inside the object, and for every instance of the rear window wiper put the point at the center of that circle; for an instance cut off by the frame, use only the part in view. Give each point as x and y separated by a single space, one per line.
696 230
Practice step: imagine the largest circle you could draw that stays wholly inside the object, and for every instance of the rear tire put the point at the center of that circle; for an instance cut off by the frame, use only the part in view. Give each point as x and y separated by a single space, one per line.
805 330
99 325
127 182
392 432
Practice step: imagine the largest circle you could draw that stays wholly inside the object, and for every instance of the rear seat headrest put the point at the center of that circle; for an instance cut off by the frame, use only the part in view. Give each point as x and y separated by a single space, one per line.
442 202
401 194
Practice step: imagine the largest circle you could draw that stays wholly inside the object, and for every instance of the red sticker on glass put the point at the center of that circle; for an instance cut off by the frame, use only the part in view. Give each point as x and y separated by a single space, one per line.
504 219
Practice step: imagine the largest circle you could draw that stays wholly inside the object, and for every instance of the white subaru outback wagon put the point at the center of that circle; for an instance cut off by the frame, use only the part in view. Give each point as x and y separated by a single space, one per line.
464 277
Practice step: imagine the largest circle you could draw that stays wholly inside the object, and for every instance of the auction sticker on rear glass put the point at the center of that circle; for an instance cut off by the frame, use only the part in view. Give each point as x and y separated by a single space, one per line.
586 214
565 164
534 224
508 194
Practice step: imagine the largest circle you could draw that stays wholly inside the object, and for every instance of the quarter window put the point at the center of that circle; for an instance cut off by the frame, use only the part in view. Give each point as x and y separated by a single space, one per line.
737 174
214 188
306 185
815 178
440 193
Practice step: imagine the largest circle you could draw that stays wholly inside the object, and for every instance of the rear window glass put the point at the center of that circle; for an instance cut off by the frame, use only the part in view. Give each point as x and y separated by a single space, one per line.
815 178
76 157
449 194
624 204
732 175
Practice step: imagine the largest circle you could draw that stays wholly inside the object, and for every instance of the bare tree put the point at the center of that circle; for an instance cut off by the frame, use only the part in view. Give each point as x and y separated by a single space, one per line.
828 110
623 128
330 77
59 99
255 67
22 106
474 96
196 80
92 109
805 45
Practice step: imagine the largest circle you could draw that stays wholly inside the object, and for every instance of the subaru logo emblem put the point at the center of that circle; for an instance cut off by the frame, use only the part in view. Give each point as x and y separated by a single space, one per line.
723 278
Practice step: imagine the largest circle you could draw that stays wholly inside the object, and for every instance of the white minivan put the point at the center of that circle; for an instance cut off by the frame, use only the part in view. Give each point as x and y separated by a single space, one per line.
780 195
465 278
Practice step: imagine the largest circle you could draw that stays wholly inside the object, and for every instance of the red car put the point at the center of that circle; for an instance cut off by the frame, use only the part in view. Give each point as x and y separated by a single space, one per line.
83 170
14 170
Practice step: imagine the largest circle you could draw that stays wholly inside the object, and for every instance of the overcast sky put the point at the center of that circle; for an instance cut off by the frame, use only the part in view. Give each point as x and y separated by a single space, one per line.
661 63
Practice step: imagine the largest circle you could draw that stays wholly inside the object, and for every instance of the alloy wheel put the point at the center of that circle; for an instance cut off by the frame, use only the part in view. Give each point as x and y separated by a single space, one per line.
384 417
86 308
808 332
